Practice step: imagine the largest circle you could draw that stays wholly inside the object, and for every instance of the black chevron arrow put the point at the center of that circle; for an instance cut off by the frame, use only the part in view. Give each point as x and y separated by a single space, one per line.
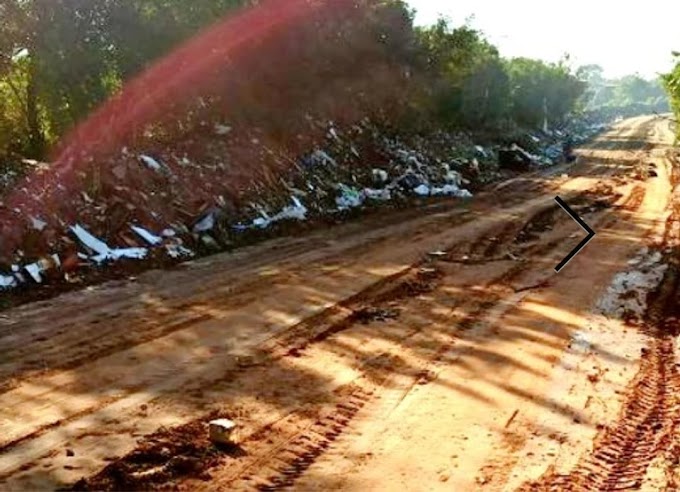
584 226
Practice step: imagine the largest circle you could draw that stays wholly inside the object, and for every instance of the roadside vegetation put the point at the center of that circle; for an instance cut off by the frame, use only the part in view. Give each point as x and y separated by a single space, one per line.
168 130
60 59
672 83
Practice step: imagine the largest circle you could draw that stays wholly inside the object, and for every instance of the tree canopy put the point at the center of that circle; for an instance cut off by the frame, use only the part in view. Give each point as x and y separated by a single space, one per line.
60 59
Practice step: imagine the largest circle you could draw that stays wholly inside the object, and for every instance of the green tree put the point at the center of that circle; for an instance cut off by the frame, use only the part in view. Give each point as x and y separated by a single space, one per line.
470 85
542 90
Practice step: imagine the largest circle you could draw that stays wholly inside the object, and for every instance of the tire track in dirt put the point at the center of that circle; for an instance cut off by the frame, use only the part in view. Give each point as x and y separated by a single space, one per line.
648 421
343 310
277 472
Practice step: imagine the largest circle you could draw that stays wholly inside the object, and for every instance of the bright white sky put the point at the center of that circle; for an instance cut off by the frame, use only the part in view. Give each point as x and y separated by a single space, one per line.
624 36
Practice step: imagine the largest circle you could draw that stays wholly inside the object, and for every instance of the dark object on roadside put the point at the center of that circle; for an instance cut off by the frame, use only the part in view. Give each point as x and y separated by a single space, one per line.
369 314
568 150
515 158
409 182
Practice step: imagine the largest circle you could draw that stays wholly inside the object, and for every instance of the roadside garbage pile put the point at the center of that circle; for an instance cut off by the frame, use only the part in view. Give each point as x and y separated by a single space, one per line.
530 150
165 206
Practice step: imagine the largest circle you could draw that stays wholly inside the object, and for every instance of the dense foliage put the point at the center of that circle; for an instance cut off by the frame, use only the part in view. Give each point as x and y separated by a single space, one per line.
672 84
629 92
59 59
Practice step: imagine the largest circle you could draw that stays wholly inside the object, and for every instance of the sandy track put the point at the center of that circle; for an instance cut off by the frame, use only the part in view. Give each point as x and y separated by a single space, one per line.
352 358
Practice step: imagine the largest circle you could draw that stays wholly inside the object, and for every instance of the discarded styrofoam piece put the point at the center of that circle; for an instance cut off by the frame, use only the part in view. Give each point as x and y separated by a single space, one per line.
222 431
149 237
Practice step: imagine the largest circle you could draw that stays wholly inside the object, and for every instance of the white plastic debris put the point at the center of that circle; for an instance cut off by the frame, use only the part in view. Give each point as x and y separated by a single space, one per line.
151 163
34 271
261 222
627 294
207 223
297 211
222 431
117 254
178 251
580 342
38 224
89 240
222 129
150 238
422 190
7 282
380 195
104 253
380 175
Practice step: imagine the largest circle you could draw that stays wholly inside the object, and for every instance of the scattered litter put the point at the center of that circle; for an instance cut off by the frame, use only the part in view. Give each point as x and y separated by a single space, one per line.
7 282
34 271
105 253
222 129
422 190
627 295
150 238
319 157
349 198
580 342
38 224
206 223
222 431
118 254
178 251
379 195
89 240
151 163
370 314
296 211
380 176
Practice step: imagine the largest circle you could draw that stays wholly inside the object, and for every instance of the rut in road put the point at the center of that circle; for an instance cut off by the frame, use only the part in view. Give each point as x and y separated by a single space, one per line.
650 417
275 463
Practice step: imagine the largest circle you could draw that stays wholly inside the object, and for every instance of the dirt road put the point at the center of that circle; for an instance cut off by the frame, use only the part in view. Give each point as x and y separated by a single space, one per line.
429 349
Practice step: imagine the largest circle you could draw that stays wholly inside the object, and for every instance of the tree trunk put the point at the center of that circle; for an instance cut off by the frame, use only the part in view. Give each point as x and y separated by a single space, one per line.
35 131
